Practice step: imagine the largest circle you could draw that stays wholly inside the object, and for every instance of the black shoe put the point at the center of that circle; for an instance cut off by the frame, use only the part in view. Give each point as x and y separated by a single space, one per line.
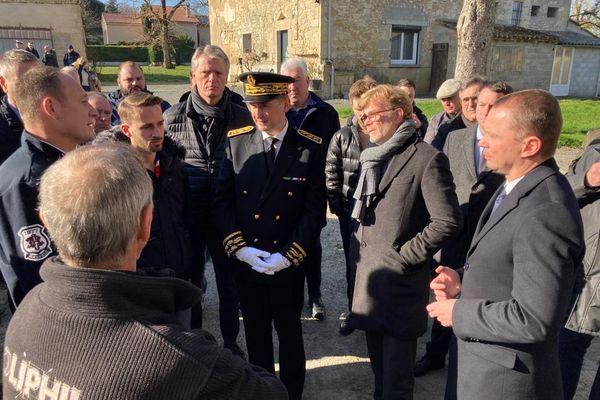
345 328
237 351
317 308
425 364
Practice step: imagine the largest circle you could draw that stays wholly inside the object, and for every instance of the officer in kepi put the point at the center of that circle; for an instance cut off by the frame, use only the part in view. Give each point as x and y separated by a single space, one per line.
270 202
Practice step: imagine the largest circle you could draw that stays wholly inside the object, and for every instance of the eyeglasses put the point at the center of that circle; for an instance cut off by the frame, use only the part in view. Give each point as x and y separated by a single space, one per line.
366 117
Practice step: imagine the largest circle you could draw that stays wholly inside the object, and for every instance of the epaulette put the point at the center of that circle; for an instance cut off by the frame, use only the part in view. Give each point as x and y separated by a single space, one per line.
310 136
240 131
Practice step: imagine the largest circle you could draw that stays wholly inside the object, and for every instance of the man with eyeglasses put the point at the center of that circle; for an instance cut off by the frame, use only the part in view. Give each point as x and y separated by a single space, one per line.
467 117
406 209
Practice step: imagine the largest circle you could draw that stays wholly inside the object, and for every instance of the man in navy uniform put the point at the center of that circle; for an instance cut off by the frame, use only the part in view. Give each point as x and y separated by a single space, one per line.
270 204
57 118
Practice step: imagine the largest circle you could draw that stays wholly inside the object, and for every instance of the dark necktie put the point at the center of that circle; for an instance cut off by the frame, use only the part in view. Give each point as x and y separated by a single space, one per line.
271 151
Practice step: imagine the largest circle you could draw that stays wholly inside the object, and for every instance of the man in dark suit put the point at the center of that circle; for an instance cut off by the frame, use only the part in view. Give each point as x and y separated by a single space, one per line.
407 209
520 266
270 204
475 185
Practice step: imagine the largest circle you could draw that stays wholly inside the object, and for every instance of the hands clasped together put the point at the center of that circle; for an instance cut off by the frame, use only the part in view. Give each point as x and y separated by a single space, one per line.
446 286
262 261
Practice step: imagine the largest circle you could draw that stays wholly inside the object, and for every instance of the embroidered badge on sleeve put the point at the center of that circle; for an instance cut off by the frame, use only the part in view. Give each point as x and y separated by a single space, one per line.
35 243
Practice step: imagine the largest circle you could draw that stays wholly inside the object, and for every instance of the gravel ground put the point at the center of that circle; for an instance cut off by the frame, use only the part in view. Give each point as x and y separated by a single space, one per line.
338 367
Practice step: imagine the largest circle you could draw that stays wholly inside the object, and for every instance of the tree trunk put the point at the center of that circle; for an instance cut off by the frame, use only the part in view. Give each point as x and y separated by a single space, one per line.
166 47
474 34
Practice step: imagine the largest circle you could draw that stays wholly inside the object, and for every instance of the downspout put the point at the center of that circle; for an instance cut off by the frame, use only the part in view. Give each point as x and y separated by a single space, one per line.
329 39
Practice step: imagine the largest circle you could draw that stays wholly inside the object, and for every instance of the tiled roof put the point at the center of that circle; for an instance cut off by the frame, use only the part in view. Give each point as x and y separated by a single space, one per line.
569 38
119 18
181 14
510 32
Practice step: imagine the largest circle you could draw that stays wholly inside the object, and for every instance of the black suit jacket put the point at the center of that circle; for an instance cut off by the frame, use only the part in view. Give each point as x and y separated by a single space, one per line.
282 211
516 286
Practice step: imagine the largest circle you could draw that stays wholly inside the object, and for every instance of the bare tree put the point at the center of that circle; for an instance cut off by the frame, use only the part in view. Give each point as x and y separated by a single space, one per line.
474 34
587 14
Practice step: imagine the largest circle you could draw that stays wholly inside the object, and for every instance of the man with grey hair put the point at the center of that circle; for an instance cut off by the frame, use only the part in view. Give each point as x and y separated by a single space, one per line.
468 93
448 96
96 203
57 118
200 124
13 64
309 113
130 79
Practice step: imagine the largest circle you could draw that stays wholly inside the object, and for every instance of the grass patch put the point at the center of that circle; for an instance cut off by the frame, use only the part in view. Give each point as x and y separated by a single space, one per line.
181 73
579 117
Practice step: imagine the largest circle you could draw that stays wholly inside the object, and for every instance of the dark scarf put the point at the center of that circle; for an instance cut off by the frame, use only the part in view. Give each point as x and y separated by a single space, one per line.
371 160
211 117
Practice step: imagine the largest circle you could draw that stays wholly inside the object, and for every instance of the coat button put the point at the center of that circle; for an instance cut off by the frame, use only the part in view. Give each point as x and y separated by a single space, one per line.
290 194
255 240
275 242
466 266
245 191
363 244
256 216
277 218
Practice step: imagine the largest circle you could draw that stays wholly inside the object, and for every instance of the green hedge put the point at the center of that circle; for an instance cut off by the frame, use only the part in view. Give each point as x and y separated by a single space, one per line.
116 53
184 49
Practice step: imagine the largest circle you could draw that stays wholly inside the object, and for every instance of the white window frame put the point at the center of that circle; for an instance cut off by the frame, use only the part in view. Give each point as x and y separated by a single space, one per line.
415 53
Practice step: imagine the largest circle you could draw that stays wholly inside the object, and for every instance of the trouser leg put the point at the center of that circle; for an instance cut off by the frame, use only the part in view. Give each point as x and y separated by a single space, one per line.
197 276
255 300
313 270
437 348
452 377
287 309
345 222
229 303
571 351
375 350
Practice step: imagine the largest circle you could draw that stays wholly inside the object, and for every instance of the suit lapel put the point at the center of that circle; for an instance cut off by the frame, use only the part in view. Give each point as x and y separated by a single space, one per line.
530 181
397 162
286 156
469 149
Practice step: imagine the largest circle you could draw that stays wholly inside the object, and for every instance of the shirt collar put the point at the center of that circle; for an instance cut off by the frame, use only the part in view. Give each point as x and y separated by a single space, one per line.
280 135
509 186
479 133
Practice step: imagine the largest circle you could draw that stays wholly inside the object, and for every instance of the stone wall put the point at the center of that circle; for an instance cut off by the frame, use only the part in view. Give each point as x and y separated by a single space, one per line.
585 72
230 19
62 17
536 68
539 22
361 33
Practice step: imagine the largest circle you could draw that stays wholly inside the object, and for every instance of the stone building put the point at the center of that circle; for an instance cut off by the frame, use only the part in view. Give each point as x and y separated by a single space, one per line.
535 44
56 23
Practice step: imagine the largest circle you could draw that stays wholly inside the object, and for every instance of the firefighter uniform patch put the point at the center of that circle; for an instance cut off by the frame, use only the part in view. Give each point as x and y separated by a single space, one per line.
35 243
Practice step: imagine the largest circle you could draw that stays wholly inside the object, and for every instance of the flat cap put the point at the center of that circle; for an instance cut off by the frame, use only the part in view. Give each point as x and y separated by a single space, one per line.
449 88
263 86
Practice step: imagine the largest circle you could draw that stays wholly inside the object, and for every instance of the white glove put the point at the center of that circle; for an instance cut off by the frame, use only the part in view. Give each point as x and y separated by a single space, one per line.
254 258
277 262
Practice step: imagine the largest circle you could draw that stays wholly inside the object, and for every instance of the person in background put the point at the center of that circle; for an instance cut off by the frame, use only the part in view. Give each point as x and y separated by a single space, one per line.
468 98
70 56
130 79
49 57
420 119
341 176
32 49
19 45
583 322
448 96
13 64
308 112
103 111
119 326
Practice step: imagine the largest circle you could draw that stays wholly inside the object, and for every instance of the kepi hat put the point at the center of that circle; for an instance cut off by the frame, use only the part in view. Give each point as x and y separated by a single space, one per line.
261 87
